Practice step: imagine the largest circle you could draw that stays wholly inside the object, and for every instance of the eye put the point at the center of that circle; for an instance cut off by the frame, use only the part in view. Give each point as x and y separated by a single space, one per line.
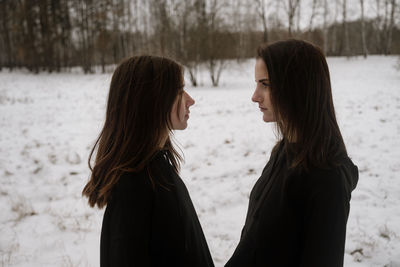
266 84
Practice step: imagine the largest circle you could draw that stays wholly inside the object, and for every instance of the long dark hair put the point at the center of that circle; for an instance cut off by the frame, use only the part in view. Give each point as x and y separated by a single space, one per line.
301 97
142 93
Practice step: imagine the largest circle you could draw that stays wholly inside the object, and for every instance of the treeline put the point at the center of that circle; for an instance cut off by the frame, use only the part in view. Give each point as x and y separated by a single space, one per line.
56 35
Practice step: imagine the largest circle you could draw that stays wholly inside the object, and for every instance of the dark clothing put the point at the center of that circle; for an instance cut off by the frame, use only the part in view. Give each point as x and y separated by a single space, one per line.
148 224
296 219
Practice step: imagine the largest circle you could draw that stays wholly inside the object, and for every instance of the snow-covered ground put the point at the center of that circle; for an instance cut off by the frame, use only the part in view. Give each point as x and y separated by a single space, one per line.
49 122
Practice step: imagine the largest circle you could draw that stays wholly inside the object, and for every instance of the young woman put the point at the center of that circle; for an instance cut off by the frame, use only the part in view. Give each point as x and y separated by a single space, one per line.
299 206
150 219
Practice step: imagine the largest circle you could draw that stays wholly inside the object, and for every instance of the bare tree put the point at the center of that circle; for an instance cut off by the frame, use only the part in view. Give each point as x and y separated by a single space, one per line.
65 34
194 37
162 24
291 8
55 35
377 26
385 26
312 17
6 43
334 30
345 30
325 27
103 37
276 16
363 42
262 13
215 60
32 58
298 16
54 18
46 40
389 33
239 12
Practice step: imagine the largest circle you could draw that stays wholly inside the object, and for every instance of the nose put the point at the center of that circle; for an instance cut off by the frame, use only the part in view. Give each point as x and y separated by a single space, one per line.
256 97
189 101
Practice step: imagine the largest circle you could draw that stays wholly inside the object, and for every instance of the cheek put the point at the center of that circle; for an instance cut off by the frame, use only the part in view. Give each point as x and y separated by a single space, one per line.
182 111
267 100
173 113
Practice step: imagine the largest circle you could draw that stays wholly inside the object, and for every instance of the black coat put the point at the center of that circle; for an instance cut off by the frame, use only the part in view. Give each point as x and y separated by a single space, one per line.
146 225
296 219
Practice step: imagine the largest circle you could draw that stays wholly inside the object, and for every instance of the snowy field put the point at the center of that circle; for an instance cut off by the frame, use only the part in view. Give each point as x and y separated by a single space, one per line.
49 122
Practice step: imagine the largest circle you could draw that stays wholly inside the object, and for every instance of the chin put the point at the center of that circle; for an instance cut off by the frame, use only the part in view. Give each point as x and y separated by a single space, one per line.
268 118
181 127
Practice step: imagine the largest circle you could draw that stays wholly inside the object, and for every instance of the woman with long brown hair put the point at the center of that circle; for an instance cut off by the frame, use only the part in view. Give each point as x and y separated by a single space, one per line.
149 219
298 208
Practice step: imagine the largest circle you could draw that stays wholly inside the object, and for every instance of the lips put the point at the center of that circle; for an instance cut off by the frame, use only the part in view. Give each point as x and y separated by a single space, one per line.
262 109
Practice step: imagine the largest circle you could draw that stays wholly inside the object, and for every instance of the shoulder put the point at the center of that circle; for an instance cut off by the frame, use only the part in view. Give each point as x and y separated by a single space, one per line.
342 177
324 181
132 186
147 179
131 179
337 181
155 180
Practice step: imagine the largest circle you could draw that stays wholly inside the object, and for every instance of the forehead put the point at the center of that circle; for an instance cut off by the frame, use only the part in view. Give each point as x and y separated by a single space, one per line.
260 71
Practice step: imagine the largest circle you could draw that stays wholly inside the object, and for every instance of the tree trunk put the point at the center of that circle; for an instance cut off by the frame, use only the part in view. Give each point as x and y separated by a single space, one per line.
5 35
364 44
291 9
388 47
325 27
298 16
262 14
345 36
46 36
377 29
55 24
384 30
31 56
313 13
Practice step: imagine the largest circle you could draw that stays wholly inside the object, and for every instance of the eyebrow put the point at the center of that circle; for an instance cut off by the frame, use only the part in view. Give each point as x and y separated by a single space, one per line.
263 80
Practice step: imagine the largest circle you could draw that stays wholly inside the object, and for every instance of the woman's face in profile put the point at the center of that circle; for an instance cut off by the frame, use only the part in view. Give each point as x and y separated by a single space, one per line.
262 93
180 111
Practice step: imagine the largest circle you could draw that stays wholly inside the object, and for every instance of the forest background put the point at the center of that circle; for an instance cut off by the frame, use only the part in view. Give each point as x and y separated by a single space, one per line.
58 35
